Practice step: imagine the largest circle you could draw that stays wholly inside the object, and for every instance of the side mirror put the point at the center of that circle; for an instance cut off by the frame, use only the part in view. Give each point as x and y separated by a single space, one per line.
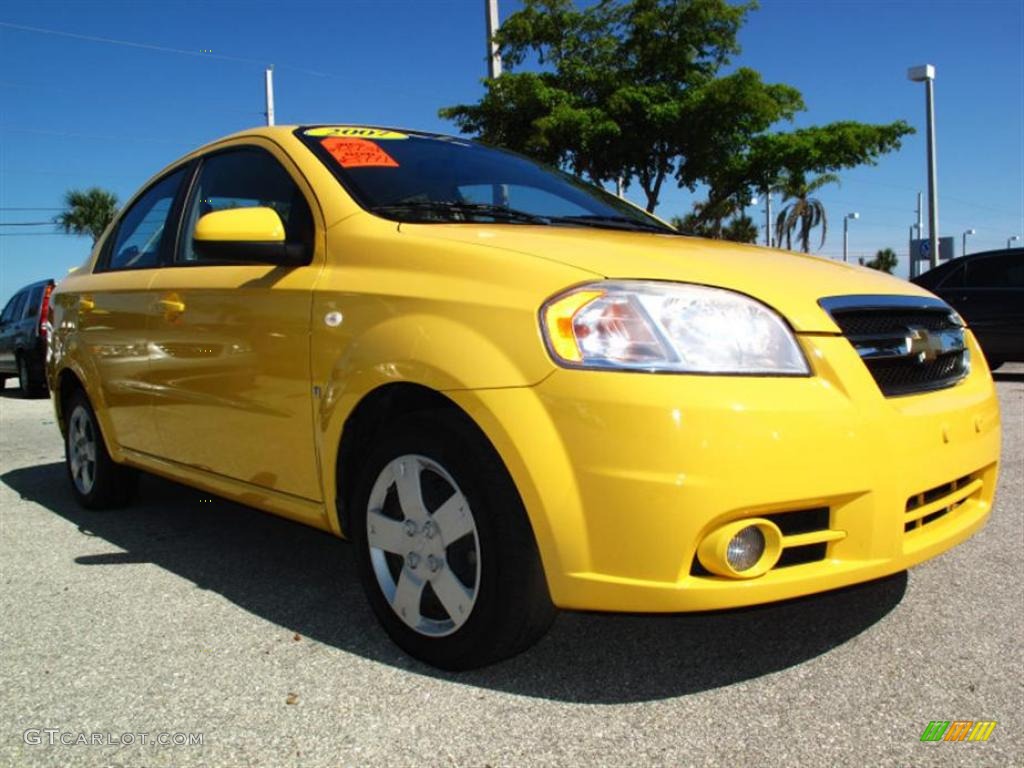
246 236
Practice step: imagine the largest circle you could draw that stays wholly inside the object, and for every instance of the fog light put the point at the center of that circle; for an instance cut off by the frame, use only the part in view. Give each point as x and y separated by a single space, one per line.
745 548
742 549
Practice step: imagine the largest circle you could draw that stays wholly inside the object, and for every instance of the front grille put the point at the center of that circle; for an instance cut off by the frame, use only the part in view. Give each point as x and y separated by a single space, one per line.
928 506
909 344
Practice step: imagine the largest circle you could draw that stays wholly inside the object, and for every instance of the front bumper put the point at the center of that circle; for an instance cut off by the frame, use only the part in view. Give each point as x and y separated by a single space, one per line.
623 474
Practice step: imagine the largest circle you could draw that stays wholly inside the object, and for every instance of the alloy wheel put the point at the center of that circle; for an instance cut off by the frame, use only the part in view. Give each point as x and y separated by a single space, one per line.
424 546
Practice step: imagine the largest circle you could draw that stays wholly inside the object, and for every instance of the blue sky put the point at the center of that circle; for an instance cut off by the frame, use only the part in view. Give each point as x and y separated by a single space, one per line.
76 111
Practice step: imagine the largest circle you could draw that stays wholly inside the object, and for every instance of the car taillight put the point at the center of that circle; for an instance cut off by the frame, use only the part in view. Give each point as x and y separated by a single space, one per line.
46 313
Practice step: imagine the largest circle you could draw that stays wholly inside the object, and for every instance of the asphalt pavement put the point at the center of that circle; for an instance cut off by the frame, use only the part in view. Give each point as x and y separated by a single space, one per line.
187 619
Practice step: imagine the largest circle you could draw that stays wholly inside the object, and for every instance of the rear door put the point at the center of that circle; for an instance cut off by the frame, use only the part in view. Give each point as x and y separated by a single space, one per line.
230 368
111 307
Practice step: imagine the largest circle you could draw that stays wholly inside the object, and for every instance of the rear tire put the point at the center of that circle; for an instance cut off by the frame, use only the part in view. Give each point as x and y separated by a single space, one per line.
97 481
31 381
448 561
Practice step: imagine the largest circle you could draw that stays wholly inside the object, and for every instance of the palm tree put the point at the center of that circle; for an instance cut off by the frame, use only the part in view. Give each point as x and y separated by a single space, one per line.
884 261
805 212
88 212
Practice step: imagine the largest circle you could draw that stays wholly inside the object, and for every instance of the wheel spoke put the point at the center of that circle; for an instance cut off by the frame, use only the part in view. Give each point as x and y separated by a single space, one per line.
386 534
90 452
455 598
410 492
453 519
406 600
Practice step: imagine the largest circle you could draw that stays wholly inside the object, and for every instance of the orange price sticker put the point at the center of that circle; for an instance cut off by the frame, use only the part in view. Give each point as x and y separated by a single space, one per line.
358 153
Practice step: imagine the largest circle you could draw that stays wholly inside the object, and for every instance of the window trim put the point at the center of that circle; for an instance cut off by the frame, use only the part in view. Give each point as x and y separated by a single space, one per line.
173 215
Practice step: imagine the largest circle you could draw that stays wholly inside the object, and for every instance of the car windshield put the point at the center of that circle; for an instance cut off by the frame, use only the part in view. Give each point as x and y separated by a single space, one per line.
425 178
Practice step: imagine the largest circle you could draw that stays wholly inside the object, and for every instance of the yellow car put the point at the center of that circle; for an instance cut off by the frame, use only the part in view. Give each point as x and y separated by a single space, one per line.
511 390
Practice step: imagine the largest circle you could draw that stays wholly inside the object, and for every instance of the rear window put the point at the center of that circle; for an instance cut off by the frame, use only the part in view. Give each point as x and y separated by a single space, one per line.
35 298
441 179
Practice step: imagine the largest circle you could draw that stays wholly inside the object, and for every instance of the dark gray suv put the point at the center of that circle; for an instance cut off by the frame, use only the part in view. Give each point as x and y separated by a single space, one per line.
23 338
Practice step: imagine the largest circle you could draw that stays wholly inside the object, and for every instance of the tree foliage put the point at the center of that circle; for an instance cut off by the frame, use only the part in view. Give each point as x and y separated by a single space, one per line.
634 90
801 212
885 261
87 212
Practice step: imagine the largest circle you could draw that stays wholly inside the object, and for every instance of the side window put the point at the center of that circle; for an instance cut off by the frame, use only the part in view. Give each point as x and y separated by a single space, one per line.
34 299
144 228
955 279
996 272
13 308
245 178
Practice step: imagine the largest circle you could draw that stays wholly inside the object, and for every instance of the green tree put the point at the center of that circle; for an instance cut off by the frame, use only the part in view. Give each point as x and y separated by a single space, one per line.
803 213
87 212
740 228
885 261
631 89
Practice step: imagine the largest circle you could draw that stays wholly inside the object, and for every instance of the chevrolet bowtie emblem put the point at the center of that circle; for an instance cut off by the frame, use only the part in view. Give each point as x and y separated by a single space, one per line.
926 346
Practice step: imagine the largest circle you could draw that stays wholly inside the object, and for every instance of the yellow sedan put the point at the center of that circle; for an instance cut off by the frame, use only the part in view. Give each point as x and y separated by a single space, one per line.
513 391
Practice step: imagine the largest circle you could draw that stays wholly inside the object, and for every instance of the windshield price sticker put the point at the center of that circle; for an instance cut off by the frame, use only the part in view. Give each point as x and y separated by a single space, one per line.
357 132
358 153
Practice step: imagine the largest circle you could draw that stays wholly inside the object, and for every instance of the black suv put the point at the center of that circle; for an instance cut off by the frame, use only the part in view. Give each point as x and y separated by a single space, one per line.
987 289
23 338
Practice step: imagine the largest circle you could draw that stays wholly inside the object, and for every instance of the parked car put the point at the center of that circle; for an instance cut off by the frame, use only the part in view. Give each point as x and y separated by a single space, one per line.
23 338
511 390
987 289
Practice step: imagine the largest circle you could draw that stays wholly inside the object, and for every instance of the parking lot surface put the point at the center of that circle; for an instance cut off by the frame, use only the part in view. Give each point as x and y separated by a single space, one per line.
185 618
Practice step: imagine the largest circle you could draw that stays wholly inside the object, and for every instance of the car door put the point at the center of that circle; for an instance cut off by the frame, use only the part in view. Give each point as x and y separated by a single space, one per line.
990 295
9 331
231 341
112 304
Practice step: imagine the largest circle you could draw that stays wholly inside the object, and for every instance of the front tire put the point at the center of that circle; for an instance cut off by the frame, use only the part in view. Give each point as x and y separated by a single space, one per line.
97 481
444 548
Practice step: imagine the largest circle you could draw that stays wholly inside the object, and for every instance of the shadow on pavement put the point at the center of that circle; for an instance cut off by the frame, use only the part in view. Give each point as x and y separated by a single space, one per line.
305 581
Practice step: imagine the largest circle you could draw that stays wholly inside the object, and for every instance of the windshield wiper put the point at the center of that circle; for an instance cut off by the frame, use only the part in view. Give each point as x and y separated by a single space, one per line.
612 222
496 212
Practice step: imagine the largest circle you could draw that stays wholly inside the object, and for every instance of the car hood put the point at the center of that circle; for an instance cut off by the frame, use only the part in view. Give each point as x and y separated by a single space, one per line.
791 283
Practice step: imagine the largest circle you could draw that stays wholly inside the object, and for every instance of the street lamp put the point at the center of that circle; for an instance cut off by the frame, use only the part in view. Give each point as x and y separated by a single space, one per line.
846 233
926 74
1013 239
966 233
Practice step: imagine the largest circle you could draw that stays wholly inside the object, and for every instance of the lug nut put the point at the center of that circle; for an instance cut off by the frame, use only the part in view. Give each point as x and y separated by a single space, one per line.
433 563
413 560
410 528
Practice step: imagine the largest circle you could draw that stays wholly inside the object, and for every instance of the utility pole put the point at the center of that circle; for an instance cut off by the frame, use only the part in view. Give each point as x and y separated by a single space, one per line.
269 83
493 56
915 234
768 218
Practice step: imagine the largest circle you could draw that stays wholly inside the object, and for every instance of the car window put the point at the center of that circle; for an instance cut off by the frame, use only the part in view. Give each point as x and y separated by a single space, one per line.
14 308
143 229
953 279
34 299
1006 271
522 198
245 178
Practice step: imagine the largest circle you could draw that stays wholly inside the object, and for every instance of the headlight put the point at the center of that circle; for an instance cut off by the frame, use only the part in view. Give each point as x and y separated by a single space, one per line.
655 326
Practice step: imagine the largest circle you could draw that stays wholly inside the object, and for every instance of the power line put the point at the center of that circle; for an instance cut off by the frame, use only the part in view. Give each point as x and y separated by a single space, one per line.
26 223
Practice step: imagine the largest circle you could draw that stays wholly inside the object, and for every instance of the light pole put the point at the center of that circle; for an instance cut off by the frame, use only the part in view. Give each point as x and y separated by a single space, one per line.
493 56
1013 239
966 233
846 233
926 74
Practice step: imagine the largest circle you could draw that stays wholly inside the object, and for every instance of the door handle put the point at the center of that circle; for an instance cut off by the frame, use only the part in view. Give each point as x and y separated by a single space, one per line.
171 306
